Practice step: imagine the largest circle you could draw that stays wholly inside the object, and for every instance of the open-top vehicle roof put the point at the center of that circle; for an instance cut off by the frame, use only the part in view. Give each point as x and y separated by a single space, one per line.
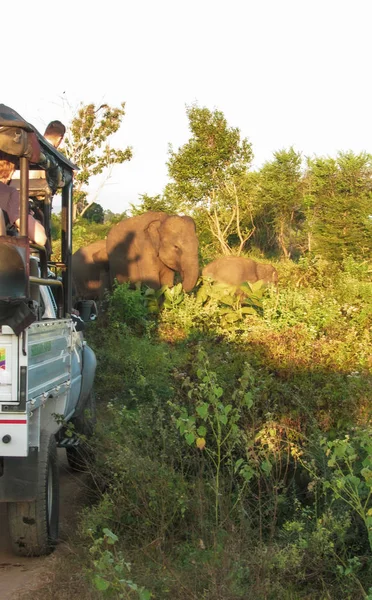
19 138
22 144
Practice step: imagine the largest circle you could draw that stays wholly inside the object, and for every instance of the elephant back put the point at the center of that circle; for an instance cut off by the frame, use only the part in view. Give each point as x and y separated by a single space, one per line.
127 233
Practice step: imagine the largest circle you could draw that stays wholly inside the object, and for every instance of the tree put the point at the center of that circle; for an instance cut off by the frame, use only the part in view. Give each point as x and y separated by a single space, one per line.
208 174
94 214
156 203
87 144
113 218
280 195
339 194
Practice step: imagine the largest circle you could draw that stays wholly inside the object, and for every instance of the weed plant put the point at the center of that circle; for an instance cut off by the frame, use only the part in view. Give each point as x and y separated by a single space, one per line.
234 458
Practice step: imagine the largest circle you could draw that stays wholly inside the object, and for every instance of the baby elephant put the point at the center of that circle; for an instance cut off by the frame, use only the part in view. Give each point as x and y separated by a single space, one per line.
234 270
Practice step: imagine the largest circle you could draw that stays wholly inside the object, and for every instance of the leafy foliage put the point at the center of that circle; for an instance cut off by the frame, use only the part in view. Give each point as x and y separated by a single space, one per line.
209 445
233 446
339 205
87 144
234 302
280 197
209 173
95 213
110 572
158 203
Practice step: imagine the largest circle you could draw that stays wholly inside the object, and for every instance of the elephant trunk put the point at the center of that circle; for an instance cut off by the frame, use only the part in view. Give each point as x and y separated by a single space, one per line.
189 274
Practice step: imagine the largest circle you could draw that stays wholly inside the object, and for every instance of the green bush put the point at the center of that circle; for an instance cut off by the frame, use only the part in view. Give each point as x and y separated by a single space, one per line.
206 454
127 306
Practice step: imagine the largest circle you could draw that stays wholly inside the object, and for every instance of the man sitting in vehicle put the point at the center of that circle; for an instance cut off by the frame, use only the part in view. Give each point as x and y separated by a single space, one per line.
10 203
54 133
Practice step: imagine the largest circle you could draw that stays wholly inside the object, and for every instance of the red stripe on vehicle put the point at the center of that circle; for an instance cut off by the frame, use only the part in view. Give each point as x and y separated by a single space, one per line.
12 421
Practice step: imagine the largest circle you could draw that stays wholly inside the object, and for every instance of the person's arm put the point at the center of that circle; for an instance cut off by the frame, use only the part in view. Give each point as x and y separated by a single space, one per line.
36 231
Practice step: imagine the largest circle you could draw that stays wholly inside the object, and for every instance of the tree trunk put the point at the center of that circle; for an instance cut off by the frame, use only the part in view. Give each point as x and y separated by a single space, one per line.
282 242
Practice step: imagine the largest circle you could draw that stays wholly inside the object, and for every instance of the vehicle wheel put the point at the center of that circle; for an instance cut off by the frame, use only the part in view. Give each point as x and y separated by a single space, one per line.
81 456
33 526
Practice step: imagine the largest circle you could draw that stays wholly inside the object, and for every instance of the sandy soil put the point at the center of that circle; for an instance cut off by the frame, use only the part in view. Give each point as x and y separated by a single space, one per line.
18 574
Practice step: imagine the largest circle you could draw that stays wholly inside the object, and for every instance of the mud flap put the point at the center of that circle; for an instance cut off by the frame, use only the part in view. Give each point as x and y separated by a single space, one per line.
19 479
88 373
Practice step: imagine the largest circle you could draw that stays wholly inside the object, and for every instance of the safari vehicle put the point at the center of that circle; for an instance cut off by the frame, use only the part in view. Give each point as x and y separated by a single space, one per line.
46 368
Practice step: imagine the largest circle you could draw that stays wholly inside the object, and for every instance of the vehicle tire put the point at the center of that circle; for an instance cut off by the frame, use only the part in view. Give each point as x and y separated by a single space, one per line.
33 526
81 456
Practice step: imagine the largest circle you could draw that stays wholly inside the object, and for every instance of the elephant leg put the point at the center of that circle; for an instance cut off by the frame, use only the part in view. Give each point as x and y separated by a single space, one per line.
166 276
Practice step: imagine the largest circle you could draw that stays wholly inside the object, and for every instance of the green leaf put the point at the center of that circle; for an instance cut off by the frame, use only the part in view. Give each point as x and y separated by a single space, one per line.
266 466
190 438
111 538
225 311
201 295
232 317
100 584
202 431
255 287
248 399
238 464
247 310
202 410
161 291
247 472
149 292
227 299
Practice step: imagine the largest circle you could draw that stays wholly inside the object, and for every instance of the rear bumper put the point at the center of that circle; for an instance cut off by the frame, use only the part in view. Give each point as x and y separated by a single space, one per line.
13 435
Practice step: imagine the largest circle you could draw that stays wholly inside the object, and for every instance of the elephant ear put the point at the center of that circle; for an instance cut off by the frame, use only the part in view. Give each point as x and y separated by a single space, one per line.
100 255
154 235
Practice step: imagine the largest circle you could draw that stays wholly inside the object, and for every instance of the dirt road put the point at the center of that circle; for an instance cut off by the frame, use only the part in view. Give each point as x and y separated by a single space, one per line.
20 574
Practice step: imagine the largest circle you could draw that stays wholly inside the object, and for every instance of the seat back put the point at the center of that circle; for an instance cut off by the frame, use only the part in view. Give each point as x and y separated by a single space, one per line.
34 287
2 223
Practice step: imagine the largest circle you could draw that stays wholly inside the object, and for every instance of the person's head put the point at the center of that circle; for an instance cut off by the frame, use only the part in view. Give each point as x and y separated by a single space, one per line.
54 133
7 167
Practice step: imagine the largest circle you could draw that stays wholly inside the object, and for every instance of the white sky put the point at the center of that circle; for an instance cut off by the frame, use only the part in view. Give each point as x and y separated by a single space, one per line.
286 72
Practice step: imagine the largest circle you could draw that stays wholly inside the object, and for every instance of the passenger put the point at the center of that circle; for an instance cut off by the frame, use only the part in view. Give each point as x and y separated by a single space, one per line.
10 203
54 133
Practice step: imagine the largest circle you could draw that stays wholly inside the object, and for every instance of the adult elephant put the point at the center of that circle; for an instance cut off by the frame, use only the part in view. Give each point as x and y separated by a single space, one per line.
90 271
151 247
235 270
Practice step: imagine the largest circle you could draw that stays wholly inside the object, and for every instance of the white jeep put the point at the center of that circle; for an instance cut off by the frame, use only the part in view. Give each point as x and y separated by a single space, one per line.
46 368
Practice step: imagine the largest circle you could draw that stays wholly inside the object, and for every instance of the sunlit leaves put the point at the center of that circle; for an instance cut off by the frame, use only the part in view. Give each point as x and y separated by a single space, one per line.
234 302
87 144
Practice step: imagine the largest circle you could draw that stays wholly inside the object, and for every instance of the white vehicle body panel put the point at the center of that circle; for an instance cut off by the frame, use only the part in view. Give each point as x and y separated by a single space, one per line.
51 353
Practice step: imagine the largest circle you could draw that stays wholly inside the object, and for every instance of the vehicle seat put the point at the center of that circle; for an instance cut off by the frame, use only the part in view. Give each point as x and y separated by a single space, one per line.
34 287
2 223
